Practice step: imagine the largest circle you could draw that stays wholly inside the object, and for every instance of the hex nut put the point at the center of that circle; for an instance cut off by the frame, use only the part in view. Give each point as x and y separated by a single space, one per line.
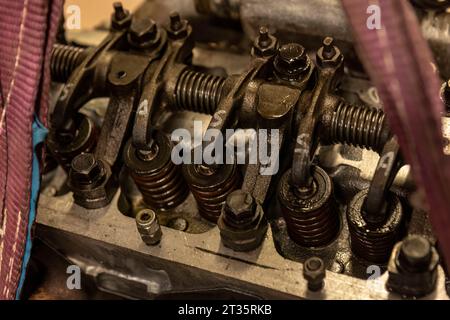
412 267
178 28
91 181
314 272
242 223
329 56
144 33
291 62
148 227
265 45
121 18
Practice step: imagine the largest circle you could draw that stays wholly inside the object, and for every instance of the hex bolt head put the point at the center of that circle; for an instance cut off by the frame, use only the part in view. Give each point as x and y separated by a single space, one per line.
119 12
329 55
85 169
175 21
239 208
178 28
314 272
263 39
328 48
143 31
148 227
242 223
415 254
291 61
265 45
412 267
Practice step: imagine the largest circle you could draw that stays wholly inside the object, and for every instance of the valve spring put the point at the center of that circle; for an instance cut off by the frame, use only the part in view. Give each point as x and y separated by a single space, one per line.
64 60
312 220
211 187
199 92
373 243
358 126
158 179
84 140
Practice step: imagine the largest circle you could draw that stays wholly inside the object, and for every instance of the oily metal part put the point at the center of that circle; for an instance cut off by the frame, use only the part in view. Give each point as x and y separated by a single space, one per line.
313 19
263 272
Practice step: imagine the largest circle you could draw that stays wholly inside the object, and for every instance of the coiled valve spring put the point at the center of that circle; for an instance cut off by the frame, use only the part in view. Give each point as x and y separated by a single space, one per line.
211 187
156 176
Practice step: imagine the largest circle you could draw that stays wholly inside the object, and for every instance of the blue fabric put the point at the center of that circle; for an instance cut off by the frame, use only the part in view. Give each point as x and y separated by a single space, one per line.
39 134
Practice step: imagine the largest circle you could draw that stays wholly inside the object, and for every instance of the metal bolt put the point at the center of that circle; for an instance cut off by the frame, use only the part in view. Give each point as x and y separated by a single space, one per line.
291 62
329 55
239 209
148 227
119 12
175 21
328 48
265 44
121 18
314 273
415 254
85 169
242 223
143 31
178 28
264 39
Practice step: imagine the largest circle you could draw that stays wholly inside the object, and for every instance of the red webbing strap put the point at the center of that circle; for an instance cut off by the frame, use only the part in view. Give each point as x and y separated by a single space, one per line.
27 30
398 60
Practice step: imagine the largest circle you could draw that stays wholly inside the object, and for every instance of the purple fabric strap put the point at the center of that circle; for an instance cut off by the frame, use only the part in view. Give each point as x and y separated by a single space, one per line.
27 30
399 62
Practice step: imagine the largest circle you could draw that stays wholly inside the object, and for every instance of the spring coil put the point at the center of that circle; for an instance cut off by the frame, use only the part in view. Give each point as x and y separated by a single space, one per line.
211 190
64 60
199 92
358 126
158 179
373 243
312 221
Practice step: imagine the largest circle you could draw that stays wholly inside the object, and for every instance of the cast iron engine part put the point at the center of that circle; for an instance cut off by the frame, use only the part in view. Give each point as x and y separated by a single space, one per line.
158 179
211 186
148 227
413 267
314 272
310 213
242 223
188 89
90 180
374 242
